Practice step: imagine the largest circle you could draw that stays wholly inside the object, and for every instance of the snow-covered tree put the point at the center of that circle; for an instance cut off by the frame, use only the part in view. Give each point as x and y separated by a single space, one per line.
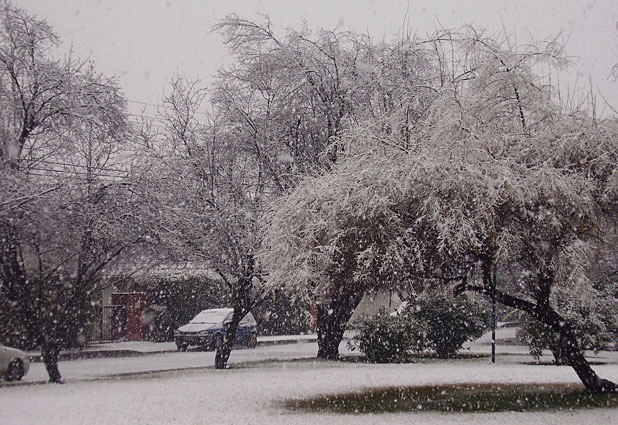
202 195
292 96
41 94
65 213
297 92
320 243
497 172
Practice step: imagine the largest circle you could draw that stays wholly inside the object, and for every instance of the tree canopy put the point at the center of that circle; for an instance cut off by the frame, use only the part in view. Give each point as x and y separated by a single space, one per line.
498 172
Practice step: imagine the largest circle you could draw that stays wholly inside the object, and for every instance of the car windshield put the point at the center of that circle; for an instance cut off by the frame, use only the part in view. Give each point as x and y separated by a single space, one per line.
210 317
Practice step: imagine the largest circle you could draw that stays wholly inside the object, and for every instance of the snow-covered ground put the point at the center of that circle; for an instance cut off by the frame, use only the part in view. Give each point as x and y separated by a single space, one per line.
97 368
252 395
168 387
157 357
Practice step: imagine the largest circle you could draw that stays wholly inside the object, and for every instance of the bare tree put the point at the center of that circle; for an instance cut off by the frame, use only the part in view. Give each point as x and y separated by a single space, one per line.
204 194
66 215
42 93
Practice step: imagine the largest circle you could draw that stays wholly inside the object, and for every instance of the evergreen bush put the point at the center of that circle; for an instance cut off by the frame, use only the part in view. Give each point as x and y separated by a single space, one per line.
386 338
445 324
432 323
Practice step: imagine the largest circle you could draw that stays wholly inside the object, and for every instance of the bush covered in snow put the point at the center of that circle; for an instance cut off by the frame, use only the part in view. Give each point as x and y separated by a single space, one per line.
427 324
386 338
443 324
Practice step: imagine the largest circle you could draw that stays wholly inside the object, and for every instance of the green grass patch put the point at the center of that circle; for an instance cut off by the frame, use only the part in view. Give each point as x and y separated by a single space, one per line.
550 363
459 399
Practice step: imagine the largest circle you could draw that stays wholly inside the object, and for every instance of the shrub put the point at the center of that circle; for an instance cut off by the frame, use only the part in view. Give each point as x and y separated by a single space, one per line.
384 338
444 324
175 300
430 323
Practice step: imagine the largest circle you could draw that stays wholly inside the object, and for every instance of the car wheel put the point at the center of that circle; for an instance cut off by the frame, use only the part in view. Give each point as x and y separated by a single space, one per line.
252 341
15 371
181 347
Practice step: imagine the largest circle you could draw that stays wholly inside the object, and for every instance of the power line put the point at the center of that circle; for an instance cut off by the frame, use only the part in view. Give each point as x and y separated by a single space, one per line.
144 103
156 105
81 176
142 116
84 172
65 170
68 164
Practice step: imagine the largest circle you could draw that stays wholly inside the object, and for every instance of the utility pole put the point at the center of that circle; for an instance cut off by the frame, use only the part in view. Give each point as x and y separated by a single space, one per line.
493 317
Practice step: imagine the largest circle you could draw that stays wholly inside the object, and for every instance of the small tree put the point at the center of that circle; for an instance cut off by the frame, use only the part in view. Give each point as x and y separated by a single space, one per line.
202 193
51 262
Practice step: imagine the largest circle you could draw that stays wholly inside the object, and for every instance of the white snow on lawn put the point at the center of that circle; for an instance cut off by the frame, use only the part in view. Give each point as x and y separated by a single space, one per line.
252 395
96 368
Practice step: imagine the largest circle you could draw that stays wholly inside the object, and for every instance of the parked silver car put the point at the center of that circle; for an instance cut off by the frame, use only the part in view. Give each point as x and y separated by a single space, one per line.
14 363
206 330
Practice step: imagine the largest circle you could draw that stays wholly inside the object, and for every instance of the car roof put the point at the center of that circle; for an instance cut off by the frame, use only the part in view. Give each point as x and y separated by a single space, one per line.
218 310
227 311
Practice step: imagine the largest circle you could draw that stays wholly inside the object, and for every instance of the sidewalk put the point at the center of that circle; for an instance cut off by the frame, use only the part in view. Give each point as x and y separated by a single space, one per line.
506 344
141 348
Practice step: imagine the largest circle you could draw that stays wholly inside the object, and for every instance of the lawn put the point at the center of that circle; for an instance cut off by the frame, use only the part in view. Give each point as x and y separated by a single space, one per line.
465 398
257 393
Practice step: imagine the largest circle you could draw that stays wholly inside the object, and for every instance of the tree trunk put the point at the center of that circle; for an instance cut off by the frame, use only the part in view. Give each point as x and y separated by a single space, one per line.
557 349
572 353
225 349
543 312
50 354
243 303
332 320
570 349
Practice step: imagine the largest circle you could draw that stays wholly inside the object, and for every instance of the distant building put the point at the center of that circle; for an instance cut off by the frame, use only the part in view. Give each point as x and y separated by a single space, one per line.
374 301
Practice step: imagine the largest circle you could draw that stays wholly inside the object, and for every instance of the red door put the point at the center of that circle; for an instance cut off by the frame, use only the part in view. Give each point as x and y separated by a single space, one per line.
135 304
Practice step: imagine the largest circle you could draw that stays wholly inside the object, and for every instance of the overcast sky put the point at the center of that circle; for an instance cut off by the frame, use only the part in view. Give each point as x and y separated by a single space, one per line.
147 42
